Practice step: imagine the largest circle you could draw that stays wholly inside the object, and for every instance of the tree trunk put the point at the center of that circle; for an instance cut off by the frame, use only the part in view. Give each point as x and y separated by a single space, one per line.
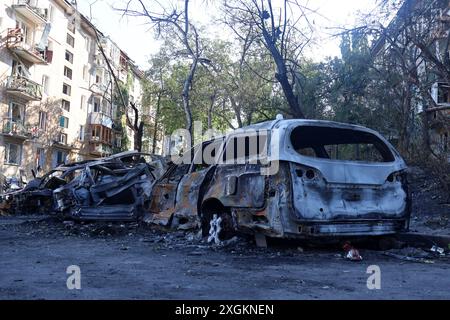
185 96
155 131
282 77
138 134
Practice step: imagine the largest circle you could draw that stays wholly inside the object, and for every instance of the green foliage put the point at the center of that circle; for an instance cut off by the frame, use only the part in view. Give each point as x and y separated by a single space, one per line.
120 122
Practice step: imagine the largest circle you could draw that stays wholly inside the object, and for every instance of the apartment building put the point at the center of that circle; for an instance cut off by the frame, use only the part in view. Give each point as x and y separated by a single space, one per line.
425 25
58 100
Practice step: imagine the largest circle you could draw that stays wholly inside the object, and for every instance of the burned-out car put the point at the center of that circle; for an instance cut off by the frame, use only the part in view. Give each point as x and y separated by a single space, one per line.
113 188
287 178
37 195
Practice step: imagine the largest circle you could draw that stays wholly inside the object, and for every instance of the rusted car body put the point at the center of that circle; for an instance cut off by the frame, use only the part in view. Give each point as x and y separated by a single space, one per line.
37 195
288 178
113 188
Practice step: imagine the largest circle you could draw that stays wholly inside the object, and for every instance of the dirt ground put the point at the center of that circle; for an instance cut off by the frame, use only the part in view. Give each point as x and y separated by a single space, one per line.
132 261
430 204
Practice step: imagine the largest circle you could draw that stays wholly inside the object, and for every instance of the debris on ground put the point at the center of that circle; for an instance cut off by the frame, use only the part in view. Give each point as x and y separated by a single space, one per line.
411 254
438 250
214 230
351 253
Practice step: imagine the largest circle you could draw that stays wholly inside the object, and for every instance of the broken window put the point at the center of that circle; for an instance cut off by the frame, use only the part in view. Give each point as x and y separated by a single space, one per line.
339 144
206 156
246 148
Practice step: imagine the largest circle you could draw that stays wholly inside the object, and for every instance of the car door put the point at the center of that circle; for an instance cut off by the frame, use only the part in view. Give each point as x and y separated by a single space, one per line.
191 187
162 204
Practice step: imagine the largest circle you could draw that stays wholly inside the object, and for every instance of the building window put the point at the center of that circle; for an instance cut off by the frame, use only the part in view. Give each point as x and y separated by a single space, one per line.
101 133
42 120
62 138
83 102
51 14
69 56
96 133
81 134
13 154
87 44
59 157
65 105
16 113
71 26
96 105
63 122
70 40
118 142
45 84
67 89
68 72
27 32
40 159
85 73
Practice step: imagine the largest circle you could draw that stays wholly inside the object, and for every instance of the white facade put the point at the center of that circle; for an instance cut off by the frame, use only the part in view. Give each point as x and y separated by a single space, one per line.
56 94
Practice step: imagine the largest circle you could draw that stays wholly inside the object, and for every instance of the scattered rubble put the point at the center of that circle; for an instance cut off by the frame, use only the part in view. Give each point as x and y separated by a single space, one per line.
417 254
438 250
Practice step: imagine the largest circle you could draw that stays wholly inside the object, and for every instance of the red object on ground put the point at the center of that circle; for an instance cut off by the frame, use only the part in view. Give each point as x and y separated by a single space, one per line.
351 253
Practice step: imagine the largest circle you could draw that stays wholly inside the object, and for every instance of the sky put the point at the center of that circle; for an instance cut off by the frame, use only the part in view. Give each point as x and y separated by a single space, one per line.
137 39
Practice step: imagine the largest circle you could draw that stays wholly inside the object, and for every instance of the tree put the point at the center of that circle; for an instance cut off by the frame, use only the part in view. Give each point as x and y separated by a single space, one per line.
282 35
415 45
172 22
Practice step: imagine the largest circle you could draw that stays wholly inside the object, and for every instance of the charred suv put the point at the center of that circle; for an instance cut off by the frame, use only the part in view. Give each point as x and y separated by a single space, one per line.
287 178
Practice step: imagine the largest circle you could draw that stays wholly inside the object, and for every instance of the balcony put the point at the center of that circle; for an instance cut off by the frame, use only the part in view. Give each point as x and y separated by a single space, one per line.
24 88
100 89
14 128
28 10
100 149
15 41
100 118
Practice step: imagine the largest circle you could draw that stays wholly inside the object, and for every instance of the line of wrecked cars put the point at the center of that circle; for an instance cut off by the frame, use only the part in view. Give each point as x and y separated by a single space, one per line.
281 178
112 188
